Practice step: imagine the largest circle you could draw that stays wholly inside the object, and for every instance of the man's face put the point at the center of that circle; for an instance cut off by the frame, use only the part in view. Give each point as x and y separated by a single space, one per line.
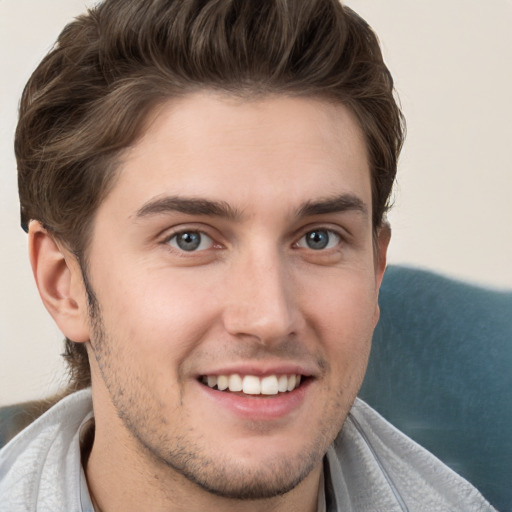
235 249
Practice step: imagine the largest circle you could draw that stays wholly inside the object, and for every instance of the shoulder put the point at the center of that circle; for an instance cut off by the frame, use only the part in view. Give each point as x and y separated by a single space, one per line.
407 475
46 452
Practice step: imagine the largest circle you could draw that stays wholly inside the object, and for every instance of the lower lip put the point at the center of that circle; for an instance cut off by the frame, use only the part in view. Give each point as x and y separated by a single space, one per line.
258 408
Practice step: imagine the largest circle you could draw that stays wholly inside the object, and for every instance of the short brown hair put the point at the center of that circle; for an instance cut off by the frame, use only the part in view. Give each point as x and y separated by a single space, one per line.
90 96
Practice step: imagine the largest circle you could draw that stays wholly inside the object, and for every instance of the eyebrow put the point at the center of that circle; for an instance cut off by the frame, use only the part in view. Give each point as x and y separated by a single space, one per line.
341 203
189 206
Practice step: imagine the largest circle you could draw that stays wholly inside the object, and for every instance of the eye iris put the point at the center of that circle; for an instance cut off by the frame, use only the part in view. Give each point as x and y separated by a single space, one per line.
317 239
188 241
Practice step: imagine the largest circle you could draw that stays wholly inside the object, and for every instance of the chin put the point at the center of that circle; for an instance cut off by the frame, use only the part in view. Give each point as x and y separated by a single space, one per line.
241 483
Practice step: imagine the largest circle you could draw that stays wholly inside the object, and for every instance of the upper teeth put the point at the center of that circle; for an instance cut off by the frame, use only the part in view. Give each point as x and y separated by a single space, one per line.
253 385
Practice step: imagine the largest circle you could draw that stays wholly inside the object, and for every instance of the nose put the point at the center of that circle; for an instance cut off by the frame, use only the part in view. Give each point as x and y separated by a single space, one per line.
261 303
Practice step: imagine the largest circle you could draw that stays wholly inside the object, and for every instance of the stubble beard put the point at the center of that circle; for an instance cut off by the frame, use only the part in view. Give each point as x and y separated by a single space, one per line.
218 475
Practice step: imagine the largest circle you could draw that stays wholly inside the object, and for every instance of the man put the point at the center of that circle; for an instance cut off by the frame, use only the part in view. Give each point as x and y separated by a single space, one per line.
204 185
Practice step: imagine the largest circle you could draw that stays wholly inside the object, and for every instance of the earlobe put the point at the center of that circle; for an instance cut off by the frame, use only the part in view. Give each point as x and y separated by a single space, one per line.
59 281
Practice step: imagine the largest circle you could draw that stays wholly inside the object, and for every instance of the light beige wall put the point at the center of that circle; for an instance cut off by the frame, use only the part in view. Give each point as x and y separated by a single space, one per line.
452 60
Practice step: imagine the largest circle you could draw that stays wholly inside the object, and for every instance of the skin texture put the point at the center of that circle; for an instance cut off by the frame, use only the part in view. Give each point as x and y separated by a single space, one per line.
254 298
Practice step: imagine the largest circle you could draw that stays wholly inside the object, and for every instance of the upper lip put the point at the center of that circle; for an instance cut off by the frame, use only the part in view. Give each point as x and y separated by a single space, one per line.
260 369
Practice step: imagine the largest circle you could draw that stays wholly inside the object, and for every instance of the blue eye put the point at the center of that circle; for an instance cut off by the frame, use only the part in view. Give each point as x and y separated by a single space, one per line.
190 241
319 239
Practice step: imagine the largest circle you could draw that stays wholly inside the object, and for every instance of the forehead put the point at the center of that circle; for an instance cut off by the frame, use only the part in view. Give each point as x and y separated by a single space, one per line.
225 148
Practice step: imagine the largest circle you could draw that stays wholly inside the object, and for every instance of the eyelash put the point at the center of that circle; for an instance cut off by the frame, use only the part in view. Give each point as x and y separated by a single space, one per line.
331 234
202 235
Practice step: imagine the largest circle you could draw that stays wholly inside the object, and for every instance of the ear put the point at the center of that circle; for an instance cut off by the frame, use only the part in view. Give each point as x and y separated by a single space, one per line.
380 252
60 284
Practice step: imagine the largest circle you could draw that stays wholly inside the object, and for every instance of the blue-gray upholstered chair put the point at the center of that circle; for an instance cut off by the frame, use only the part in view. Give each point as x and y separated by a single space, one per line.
441 371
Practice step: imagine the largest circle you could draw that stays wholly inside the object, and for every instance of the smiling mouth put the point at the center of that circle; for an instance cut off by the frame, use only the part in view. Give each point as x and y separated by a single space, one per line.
253 385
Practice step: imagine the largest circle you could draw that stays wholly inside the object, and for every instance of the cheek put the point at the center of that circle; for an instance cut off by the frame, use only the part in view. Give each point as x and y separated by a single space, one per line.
343 314
158 315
